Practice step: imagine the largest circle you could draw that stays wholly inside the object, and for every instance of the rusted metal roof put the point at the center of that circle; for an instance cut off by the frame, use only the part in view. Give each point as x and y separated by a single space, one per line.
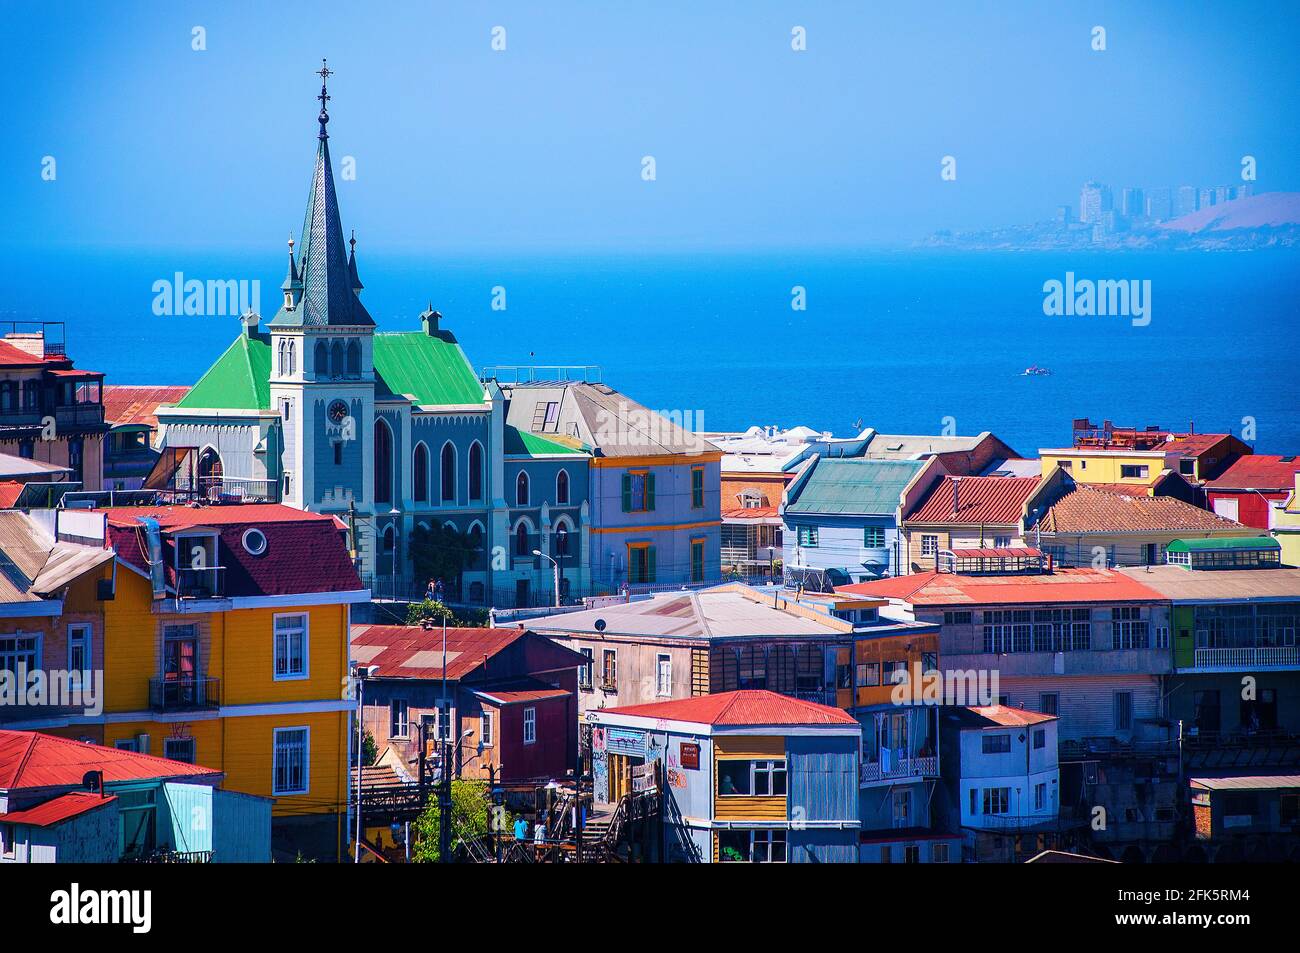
59 809
128 404
974 501
740 709
30 759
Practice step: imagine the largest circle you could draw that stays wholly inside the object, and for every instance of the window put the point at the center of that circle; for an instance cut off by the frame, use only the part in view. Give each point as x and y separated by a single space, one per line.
873 537
911 853
997 800
126 744
487 726
609 671
697 560
288 484
886 854
399 718
530 725
1123 711
664 676
321 364
7 847
521 489
1132 472
562 488
561 540
1040 738
383 462
522 546
285 407
1040 797
291 646
640 563
290 763
697 487
996 744
254 541
79 654
338 454
1128 628
585 670
476 471
1001 542
638 491
807 536
354 359
743 778
448 473
756 847
1162 637
901 808
869 674
420 473
179 749
939 853
19 649
929 544
957 618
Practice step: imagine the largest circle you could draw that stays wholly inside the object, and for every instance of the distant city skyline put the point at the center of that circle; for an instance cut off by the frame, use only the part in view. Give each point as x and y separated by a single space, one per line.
542 145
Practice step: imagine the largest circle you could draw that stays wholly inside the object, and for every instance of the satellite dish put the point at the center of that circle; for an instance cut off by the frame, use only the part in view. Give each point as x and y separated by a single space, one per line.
600 625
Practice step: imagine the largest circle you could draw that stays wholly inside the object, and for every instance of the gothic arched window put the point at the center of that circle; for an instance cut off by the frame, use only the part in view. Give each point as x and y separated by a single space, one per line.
448 473
383 462
420 473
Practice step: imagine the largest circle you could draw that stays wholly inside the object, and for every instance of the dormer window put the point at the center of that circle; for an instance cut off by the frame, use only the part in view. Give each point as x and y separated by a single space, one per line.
199 574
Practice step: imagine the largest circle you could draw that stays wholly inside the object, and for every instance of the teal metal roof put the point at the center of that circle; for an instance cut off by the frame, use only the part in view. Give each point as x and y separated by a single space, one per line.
521 442
430 367
855 486
1259 543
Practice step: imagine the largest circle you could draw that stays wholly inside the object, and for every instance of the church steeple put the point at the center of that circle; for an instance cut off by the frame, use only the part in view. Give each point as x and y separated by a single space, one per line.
326 276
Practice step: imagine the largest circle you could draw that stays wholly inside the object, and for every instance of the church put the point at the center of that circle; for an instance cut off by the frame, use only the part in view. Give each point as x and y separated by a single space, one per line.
395 433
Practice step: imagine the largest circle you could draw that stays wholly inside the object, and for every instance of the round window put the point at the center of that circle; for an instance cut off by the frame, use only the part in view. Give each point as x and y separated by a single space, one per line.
254 541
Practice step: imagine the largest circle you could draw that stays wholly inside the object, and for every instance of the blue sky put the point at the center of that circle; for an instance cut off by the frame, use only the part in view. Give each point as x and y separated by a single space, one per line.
539 147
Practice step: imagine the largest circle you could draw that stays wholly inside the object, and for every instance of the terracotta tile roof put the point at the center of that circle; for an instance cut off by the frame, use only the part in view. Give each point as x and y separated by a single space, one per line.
750 513
1192 445
29 759
1059 586
59 809
409 651
1086 509
129 404
1257 472
980 500
305 552
740 708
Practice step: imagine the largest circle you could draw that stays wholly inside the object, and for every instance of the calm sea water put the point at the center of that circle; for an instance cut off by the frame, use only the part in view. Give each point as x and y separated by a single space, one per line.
895 340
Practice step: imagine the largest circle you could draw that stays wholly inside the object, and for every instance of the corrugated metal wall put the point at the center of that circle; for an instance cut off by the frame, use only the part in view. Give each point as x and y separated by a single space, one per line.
823 847
823 775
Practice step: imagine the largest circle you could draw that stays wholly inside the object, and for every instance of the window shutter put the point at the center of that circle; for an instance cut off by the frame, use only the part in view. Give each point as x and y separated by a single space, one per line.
650 493
627 492
650 564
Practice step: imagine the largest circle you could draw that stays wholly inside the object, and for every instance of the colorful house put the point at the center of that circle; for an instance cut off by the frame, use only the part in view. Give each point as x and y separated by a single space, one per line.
66 801
1253 488
1286 526
130 449
221 633
749 776
966 512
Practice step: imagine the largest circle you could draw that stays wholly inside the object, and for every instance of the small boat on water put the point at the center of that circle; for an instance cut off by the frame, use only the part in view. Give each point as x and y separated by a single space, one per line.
1033 370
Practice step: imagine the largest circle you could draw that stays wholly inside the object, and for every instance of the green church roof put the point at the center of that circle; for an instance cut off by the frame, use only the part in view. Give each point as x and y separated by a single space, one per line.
239 380
430 367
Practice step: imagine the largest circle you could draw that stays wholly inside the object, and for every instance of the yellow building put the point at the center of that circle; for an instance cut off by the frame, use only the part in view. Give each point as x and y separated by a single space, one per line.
222 636
1095 465
1286 526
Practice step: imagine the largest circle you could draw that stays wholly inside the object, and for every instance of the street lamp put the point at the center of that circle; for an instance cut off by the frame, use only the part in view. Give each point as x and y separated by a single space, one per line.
361 673
538 552
395 513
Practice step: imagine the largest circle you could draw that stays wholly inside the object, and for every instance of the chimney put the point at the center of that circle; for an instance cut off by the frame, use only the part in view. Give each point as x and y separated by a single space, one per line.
956 496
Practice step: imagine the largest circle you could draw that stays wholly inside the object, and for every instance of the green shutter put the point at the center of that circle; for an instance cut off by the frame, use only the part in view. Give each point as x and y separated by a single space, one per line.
627 492
650 492
650 564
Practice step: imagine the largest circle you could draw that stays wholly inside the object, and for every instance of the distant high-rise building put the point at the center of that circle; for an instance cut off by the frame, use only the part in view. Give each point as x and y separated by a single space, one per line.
1185 203
1159 204
1240 192
1205 198
1094 201
1130 203
1222 193
1064 215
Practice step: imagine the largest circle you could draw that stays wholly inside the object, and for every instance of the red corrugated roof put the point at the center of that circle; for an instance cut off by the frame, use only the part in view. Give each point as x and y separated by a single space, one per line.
128 404
59 809
409 651
305 552
745 707
980 499
1059 586
10 490
30 759
1258 472
15 356
997 552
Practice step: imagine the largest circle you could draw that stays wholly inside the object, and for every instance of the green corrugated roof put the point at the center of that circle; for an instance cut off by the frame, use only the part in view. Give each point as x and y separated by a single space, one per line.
432 368
522 441
1221 543
855 486
239 380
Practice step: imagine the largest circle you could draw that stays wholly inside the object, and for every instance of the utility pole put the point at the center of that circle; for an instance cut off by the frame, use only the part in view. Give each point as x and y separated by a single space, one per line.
361 710
444 788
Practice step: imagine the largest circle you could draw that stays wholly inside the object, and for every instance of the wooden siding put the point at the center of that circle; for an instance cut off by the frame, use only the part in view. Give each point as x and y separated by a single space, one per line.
747 808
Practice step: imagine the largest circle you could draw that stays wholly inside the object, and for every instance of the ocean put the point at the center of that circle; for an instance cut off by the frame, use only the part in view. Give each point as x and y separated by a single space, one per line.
904 341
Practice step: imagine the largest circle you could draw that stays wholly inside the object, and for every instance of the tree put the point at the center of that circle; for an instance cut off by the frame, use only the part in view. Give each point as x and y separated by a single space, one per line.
471 813
369 750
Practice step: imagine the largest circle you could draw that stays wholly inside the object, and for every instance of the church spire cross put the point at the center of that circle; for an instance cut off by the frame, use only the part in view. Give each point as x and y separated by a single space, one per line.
324 73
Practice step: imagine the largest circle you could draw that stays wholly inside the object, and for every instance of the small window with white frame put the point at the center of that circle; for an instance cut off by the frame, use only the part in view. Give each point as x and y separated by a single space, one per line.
530 725
487 726
80 657
399 715
663 675
291 646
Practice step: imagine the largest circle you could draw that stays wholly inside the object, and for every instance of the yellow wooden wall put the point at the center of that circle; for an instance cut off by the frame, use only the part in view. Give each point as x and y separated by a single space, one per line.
747 808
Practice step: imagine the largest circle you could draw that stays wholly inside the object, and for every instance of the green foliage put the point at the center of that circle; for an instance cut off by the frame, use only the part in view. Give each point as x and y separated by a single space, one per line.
471 811
369 750
417 612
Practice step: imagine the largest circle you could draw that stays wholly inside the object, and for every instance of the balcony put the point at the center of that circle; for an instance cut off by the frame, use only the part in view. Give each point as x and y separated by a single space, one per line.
1253 658
207 583
900 769
184 694
226 489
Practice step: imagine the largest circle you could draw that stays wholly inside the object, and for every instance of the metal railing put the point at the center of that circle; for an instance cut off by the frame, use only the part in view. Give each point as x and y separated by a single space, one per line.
204 583
184 694
1281 656
914 767
239 489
